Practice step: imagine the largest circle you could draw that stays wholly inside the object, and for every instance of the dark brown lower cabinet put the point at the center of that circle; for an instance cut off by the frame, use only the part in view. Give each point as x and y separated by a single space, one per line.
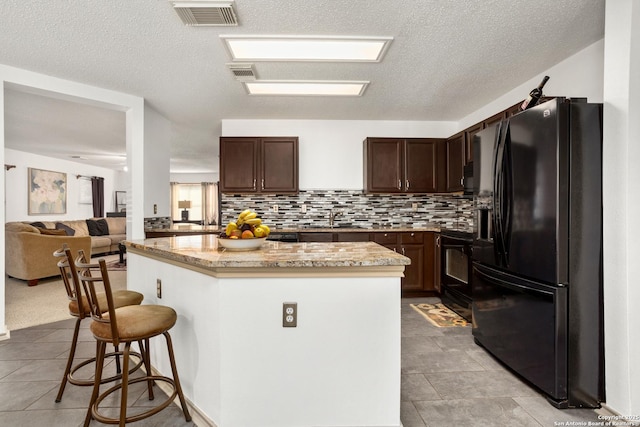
419 246
420 277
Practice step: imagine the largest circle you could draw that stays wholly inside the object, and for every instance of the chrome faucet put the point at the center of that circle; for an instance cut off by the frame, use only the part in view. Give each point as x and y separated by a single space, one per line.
332 216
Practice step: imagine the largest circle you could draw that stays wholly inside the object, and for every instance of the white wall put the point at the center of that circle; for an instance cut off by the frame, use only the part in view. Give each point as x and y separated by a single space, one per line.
621 205
157 150
331 150
579 76
17 186
194 178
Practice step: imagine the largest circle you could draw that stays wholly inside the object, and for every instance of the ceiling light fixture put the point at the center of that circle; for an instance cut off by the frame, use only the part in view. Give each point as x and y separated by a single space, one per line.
196 13
306 88
306 48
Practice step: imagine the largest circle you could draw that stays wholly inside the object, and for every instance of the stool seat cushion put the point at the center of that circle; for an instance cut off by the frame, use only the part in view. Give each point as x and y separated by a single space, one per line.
121 298
136 322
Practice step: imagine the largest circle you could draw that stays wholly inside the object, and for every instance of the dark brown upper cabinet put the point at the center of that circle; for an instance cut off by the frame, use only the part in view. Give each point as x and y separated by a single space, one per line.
469 133
259 164
404 165
456 159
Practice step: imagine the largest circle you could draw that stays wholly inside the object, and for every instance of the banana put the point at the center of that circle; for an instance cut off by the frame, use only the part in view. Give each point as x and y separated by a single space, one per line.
244 213
230 227
253 221
250 215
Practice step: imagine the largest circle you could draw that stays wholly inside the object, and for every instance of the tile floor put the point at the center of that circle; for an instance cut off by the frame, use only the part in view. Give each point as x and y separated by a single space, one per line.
447 380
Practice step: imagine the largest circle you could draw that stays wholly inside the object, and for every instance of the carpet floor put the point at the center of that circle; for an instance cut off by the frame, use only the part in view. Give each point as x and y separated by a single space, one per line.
27 306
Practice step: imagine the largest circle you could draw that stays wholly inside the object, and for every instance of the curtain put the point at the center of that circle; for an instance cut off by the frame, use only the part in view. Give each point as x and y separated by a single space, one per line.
97 195
173 202
209 203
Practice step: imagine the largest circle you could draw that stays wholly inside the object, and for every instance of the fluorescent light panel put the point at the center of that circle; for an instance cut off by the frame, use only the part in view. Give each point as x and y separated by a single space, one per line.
306 48
306 88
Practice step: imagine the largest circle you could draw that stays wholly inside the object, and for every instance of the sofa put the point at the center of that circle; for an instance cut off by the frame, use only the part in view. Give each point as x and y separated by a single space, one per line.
29 246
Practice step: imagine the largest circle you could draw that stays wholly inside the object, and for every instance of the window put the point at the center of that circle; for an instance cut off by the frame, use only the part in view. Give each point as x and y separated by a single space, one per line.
202 198
192 193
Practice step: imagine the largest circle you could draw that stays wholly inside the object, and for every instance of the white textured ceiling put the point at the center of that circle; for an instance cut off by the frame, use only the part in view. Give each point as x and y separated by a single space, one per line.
448 58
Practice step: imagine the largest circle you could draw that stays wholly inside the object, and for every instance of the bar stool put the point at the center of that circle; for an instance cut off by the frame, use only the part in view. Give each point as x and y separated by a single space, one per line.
125 325
79 308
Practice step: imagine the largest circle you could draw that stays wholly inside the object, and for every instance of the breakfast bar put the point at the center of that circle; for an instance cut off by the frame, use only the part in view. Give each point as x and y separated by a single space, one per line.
244 361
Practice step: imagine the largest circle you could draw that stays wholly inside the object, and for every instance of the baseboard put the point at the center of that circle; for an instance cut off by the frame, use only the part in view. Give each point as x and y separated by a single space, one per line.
6 334
197 416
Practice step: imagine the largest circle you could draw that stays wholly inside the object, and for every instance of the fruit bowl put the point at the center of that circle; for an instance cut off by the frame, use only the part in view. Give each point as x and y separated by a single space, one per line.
241 244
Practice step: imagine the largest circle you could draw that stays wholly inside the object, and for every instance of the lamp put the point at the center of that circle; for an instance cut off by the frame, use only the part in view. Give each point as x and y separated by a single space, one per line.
184 204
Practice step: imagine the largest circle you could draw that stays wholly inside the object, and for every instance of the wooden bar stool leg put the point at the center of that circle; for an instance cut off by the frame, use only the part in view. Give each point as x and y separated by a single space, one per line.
72 353
100 351
176 380
125 384
147 366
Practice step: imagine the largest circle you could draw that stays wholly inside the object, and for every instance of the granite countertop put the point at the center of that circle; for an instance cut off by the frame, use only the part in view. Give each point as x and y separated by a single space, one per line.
203 251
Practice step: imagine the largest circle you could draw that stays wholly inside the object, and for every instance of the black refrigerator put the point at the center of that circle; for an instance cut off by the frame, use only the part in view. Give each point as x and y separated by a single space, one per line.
537 249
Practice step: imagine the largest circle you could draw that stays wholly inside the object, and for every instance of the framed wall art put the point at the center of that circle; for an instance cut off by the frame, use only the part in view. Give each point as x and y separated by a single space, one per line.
47 192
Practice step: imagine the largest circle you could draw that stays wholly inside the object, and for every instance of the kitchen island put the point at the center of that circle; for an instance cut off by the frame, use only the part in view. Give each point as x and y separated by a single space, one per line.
239 365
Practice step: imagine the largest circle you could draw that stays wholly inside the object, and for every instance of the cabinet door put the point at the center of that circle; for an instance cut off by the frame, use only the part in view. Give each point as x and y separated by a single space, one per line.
279 165
494 119
382 165
421 165
468 141
455 162
386 239
513 110
413 279
239 164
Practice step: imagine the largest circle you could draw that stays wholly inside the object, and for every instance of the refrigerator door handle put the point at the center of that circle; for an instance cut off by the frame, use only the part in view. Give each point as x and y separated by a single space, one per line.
498 194
507 192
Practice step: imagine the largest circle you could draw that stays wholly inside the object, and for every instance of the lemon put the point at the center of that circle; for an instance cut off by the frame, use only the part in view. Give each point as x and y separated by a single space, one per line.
259 231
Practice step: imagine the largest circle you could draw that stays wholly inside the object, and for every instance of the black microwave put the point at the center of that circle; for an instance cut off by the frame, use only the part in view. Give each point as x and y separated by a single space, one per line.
468 179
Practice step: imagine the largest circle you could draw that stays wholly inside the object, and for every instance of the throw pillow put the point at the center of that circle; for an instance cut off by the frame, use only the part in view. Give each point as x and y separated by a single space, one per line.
70 231
92 225
103 227
38 224
51 232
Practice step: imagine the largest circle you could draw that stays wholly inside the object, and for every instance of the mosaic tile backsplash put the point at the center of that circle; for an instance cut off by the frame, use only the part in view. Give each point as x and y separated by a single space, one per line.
355 208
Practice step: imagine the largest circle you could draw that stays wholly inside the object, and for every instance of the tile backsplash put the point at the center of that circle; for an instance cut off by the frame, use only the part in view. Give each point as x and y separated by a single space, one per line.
355 208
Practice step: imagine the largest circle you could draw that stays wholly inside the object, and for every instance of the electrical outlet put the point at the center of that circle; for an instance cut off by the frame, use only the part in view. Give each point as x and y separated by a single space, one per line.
289 314
275 208
159 288
303 208
155 208
414 206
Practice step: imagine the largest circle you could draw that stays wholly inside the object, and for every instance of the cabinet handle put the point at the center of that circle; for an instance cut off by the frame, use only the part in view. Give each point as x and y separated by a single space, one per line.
407 183
413 234
399 185
438 241
403 251
461 181
254 183
262 183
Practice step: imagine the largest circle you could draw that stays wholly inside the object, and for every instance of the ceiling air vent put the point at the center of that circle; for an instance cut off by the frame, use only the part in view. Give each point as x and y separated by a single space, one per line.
206 13
243 72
